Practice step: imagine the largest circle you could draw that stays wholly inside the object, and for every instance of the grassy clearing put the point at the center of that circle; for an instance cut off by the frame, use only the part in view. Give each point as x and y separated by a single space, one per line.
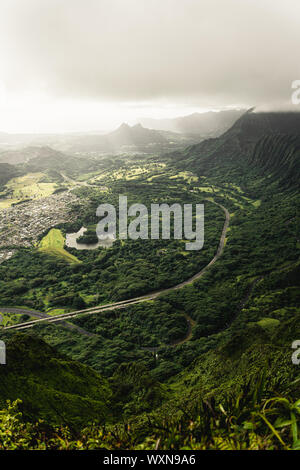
56 311
234 187
6 203
53 244
256 203
129 173
186 176
268 323
30 187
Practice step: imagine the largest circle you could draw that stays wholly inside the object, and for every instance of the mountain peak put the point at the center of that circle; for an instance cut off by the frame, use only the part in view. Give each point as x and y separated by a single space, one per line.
134 135
124 125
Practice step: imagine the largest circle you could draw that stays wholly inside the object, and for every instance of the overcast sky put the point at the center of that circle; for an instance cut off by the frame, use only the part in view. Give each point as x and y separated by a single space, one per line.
91 64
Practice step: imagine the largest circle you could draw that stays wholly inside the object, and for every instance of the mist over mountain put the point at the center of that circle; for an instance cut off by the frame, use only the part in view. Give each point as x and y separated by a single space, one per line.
203 124
135 135
125 135
25 154
182 131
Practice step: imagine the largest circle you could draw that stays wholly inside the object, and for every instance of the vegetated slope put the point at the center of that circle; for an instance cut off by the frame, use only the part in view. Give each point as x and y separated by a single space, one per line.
51 386
260 336
242 395
279 156
239 145
62 391
235 396
7 172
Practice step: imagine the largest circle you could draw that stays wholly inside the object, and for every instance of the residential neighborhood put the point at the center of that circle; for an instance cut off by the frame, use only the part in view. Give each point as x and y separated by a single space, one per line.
20 225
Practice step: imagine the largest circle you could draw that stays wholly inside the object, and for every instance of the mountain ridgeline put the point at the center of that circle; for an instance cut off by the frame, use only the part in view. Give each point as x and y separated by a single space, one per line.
266 141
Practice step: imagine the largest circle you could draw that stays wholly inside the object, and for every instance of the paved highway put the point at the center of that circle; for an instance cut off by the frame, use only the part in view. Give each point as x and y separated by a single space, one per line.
44 318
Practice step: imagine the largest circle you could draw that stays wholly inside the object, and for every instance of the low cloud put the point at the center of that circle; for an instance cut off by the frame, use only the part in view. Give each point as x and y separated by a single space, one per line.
208 53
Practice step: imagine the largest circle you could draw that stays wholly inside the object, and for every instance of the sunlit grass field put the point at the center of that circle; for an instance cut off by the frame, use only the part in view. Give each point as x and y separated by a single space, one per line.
30 187
6 203
53 244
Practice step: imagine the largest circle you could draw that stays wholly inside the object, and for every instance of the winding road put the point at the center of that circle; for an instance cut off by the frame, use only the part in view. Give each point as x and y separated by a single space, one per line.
45 318
37 314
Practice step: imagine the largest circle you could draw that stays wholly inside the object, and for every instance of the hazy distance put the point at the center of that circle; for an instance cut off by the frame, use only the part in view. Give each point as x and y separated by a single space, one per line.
77 65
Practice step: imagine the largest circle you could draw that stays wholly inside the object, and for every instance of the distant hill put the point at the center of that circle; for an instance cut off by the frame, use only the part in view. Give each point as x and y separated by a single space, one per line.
31 159
40 159
46 158
135 135
20 148
25 155
210 124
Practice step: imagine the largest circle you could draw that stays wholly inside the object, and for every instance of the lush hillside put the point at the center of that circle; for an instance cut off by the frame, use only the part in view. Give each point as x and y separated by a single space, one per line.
52 387
242 395
7 172
278 156
242 144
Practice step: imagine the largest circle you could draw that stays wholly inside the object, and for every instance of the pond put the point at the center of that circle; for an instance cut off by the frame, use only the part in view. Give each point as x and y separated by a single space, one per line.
71 241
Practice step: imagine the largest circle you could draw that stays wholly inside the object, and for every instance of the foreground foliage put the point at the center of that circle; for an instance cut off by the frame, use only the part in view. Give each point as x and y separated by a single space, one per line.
245 421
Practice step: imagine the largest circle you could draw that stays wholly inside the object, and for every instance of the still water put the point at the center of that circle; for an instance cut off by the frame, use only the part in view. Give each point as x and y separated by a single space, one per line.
71 241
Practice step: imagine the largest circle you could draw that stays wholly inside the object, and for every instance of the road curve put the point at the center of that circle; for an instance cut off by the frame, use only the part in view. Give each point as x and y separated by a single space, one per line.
125 303
37 314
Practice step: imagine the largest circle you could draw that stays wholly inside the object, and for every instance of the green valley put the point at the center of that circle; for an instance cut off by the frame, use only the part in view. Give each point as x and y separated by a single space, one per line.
204 366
